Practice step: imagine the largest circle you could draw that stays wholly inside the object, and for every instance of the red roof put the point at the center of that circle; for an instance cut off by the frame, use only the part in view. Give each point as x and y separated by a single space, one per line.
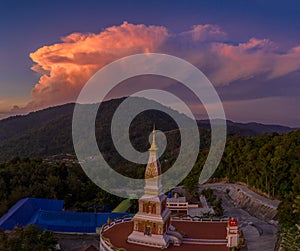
202 230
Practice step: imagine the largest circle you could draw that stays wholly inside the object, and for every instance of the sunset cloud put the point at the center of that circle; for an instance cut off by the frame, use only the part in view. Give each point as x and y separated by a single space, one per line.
66 66
205 32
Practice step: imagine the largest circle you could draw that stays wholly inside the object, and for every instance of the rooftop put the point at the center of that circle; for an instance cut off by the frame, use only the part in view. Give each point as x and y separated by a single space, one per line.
48 214
208 236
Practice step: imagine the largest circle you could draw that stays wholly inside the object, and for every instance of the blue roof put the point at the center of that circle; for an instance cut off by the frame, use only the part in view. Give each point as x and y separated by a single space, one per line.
73 221
49 214
25 209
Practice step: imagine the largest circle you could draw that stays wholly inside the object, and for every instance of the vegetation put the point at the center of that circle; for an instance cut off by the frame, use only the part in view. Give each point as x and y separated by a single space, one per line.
290 238
49 130
213 201
21 178
269 163
30 238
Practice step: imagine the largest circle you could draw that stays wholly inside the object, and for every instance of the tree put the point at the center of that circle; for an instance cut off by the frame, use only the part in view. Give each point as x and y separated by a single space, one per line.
30 238
296 207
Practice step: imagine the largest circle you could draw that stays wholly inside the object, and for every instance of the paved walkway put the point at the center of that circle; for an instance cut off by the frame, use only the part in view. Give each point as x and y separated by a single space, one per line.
259 234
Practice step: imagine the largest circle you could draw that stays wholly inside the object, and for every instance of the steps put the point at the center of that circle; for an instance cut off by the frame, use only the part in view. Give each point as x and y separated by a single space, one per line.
204 241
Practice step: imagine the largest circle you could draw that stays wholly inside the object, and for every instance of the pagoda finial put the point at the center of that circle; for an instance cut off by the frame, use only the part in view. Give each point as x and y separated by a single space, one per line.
153 144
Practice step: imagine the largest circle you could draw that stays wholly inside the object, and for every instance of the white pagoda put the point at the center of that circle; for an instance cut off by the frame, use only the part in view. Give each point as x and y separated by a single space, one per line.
152 222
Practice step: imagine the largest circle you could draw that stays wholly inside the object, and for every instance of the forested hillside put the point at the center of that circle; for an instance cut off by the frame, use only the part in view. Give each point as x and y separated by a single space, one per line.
48 132
270 163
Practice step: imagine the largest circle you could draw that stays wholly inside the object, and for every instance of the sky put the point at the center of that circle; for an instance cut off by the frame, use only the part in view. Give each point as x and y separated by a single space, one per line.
249 50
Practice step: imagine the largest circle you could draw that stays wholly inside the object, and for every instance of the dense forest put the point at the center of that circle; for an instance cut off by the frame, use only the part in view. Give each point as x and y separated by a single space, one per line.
269 162
30 238
21 178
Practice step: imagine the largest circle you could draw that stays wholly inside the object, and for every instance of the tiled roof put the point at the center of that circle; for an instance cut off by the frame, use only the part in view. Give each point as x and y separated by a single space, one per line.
214 231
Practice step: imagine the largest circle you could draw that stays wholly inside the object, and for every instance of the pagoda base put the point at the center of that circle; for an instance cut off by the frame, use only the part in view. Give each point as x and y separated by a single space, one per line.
157 241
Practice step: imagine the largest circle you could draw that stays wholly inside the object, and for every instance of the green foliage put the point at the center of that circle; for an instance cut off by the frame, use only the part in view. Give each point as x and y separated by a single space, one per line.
30 238
269 163
49 131
290 238
212 199
209 195
21 178
296 206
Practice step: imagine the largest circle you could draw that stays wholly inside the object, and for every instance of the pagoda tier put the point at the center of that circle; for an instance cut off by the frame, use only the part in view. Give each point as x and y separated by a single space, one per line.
152 222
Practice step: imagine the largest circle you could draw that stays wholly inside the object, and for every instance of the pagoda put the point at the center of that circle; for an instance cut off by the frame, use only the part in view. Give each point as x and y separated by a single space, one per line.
151 225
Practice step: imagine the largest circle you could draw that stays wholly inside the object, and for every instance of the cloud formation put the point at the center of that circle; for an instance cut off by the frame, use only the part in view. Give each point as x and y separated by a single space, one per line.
66 66
205 32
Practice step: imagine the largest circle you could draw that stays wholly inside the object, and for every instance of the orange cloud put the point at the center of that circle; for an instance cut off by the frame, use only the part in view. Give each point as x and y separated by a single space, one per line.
246 60
241 61
66 66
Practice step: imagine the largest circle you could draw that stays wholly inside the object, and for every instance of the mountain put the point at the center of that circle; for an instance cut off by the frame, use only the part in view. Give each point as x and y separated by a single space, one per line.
49 132
251 128
259 128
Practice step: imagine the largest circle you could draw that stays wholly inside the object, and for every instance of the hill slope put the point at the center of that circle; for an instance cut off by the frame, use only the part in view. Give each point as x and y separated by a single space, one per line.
48 132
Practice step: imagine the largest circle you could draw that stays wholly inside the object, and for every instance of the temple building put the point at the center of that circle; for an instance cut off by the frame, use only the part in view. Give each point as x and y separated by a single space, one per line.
153 227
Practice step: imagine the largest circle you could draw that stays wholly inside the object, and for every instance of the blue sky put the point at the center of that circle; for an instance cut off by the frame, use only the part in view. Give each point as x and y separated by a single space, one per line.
26 26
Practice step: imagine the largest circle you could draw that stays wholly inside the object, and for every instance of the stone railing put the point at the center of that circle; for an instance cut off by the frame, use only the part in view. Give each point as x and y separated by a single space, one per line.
198 218
105 244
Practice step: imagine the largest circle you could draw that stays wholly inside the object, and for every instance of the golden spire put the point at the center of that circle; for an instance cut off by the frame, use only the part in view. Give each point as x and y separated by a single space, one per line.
153 144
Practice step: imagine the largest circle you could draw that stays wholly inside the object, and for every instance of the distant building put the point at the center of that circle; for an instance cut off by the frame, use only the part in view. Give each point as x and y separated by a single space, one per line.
180 206
153 225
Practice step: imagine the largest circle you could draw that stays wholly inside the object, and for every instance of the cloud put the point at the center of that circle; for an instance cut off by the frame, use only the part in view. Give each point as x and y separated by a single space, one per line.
286 63
66 66
241 61
250 59
205 32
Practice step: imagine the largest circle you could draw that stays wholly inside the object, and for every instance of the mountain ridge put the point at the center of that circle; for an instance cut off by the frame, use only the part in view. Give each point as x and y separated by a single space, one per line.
49 131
